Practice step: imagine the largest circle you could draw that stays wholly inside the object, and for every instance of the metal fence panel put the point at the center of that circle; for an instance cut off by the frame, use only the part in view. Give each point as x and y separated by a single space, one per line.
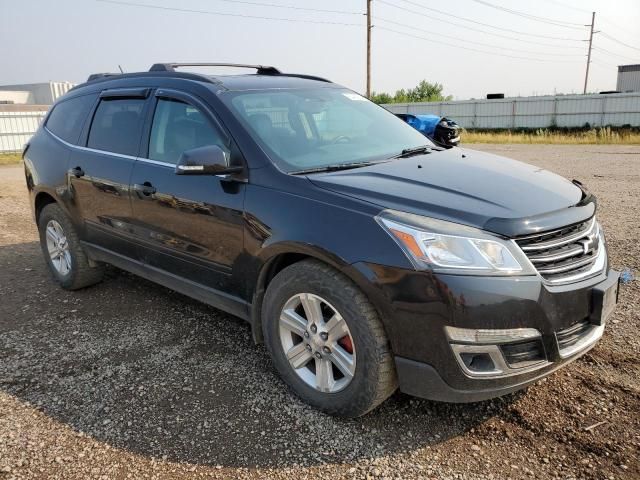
17 127
535 112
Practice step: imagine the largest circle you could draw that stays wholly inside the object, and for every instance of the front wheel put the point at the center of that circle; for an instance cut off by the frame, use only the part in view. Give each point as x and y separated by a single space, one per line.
326 340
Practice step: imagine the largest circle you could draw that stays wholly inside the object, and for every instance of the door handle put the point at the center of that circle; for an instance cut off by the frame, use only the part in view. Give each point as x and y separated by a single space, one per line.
144 188
76 172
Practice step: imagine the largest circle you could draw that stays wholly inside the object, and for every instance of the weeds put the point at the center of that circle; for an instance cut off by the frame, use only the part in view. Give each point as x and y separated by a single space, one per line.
592 136
10 158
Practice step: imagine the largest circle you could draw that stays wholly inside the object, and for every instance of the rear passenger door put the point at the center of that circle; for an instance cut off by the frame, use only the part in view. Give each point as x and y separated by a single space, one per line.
100 170
189 226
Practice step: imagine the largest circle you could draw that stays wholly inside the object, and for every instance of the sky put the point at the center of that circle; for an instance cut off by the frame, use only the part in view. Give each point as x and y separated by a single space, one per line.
539 49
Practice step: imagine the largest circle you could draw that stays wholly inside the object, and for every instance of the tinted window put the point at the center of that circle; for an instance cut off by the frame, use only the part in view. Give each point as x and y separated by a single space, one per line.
314 128
67 118
116 126
178 127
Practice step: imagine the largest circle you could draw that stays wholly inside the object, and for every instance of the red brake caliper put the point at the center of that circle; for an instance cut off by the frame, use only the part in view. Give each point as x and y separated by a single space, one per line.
346 343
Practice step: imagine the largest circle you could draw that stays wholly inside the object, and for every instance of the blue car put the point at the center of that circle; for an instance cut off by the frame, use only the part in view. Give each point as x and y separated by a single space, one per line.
441 130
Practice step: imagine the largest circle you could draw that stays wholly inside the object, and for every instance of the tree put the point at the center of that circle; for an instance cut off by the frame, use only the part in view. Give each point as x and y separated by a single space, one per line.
427 92
381 98
423 92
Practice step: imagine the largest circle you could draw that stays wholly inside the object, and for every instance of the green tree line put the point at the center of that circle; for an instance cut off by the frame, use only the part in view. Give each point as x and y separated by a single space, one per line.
423 92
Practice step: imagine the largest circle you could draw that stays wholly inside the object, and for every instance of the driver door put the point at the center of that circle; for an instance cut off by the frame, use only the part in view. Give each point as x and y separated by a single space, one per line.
189 226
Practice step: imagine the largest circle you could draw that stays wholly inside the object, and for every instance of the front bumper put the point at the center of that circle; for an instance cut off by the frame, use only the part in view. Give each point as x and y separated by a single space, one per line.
417 308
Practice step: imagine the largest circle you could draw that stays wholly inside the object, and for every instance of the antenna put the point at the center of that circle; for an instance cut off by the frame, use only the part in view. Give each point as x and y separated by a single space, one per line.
121 71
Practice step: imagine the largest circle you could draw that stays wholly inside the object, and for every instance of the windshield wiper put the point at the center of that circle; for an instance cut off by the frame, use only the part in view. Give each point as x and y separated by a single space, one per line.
334 167
410 152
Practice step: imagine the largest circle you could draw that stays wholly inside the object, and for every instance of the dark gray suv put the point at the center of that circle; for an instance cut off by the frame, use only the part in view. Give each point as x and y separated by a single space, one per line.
364 256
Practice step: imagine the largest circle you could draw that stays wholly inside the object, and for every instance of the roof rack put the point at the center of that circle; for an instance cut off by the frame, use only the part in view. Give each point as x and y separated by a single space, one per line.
160 68
171 67
96 76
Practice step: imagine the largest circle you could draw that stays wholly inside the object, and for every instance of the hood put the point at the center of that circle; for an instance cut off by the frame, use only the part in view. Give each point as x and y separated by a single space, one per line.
474 188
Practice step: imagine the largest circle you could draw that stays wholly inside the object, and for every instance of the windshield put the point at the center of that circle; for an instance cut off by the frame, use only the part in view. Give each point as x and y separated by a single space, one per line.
302 129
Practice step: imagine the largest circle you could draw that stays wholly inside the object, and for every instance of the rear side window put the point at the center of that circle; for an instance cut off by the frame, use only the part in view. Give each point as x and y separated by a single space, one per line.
117 125
178 127
67 117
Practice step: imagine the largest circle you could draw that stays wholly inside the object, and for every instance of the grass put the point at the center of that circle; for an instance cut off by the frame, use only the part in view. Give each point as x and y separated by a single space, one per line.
593 136
10 158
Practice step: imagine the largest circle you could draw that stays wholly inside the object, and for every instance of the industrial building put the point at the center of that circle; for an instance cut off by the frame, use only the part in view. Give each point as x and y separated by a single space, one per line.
33 93
628 78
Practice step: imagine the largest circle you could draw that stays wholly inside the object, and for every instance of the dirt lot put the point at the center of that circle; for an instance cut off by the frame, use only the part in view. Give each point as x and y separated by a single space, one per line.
129 380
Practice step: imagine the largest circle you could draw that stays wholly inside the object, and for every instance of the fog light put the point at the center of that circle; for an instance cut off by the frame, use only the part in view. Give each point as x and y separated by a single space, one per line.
478 362
490 336
493 353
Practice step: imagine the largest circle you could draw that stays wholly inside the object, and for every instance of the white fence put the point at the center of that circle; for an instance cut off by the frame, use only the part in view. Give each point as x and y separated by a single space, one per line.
615 109
17 124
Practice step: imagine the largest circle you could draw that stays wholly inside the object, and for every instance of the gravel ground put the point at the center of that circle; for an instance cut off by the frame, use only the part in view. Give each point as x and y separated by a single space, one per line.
130 380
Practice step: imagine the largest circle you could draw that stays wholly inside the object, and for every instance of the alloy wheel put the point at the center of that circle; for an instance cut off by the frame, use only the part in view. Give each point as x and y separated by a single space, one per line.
58 247
317 343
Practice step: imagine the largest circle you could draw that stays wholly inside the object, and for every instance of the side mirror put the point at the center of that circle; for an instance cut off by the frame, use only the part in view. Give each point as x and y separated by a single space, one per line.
207 160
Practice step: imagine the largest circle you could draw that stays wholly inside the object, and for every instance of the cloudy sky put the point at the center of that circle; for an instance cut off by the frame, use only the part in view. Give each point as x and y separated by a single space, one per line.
472 47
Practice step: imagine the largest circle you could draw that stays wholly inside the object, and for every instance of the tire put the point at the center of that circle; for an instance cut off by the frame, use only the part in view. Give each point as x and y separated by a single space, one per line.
79 272
373 379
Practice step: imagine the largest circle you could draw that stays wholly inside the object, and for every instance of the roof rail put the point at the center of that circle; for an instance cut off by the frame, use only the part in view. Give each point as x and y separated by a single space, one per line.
307 77
96 76
171 67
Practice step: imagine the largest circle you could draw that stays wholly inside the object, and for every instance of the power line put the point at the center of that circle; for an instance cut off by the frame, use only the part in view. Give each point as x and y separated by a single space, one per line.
292 7
421 13
604 34
609 52
208 12
602 63
466 27
469 48
569 6
501 47
550 21
618 27
602 18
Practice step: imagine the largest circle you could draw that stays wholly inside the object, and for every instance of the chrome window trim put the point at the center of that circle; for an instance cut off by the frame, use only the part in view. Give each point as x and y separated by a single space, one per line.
87 149
156 162
105 152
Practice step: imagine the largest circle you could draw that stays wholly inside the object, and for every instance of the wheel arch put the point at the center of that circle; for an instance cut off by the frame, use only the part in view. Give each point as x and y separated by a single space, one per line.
42 199
283 256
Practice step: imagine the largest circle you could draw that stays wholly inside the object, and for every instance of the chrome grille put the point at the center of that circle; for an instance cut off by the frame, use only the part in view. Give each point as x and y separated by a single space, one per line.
570 336
523 354
567 252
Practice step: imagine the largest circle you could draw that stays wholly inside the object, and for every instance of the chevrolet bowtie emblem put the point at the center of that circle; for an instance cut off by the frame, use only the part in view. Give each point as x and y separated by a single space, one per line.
591 242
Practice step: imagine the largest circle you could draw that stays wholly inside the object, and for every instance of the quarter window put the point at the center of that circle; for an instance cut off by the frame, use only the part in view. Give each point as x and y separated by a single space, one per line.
67 117
117 126
177 127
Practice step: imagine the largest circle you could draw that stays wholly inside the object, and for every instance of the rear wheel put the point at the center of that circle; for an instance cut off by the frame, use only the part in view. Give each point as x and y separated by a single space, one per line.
62 251
326 340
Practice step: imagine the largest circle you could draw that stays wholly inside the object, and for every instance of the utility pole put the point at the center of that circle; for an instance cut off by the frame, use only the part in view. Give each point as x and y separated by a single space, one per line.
369 48
586 74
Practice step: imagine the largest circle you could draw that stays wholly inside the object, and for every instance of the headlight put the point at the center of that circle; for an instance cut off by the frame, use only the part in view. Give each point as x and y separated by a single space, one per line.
450 247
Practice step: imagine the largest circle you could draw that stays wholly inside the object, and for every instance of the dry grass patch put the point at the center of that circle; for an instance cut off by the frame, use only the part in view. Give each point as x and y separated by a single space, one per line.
593 136
10 158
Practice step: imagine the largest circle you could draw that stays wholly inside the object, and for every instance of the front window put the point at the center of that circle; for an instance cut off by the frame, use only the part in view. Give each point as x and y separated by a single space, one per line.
178 127
304 129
